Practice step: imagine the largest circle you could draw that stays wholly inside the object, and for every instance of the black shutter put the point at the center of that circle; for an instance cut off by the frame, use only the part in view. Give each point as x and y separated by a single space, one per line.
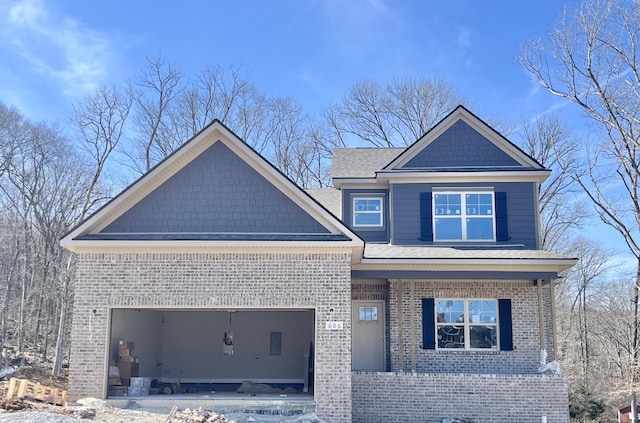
426 225
428 324
502 228
506 331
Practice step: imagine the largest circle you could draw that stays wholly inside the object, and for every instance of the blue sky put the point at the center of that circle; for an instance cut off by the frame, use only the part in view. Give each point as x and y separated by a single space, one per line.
54 52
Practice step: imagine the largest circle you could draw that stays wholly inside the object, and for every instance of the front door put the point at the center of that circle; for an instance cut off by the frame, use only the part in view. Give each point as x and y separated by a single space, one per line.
367 338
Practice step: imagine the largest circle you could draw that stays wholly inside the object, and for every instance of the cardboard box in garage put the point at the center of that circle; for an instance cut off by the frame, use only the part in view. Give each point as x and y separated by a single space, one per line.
128 370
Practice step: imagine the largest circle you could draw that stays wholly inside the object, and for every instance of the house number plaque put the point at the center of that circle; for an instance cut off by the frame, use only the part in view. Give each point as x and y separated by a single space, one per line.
334 325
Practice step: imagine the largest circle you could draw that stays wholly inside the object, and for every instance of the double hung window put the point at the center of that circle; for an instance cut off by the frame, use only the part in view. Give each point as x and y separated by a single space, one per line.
464 216
368 212
467 324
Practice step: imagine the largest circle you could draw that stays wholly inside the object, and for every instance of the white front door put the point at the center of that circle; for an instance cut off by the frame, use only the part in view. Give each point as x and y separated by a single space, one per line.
367 338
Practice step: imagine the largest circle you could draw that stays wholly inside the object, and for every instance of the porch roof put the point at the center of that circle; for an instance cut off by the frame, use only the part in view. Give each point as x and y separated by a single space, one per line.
388 251
459 262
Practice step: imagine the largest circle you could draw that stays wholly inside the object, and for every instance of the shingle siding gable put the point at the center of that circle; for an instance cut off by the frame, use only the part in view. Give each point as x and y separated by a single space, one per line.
460 146
216 192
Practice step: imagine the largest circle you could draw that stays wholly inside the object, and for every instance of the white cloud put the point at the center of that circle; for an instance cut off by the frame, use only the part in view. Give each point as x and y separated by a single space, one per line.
464 38
26 13
358 26
58 47
355 12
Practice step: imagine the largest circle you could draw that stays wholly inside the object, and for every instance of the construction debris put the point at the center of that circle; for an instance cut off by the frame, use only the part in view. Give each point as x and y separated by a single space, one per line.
14 404
24 388
199 415
86 412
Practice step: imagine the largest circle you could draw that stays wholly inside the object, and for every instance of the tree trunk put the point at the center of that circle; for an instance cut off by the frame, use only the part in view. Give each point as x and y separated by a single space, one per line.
23 293
7 299
585 341
57 361
634 346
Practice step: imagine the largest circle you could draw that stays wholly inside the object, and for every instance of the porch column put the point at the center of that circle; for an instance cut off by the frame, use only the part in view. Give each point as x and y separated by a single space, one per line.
552 293
541 314
400 337
413 326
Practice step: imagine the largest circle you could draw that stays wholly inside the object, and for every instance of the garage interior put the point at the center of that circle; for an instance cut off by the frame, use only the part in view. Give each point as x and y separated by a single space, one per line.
198 352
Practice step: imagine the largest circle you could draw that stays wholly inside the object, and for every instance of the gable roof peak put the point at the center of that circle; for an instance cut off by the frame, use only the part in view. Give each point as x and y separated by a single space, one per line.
461 113
198 146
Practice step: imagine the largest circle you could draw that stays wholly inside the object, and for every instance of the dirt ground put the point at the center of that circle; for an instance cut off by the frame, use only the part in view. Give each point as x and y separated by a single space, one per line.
44 413
16 409
40 412
26 410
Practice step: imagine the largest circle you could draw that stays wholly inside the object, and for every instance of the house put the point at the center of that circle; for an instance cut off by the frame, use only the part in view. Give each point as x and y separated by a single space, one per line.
414 290
626 416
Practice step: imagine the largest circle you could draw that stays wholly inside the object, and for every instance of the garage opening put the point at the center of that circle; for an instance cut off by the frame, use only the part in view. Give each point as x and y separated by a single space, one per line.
203 352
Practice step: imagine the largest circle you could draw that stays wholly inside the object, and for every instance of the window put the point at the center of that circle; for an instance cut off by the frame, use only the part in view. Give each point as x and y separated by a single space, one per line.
467 324
368 314
367 212
463 216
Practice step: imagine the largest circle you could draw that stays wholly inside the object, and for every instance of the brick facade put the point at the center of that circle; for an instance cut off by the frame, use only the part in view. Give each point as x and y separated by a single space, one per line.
523 359
319 281
432 397
493 386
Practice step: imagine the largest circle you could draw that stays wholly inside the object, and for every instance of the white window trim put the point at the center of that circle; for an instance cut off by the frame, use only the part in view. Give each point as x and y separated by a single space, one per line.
463 216
368 197
467 325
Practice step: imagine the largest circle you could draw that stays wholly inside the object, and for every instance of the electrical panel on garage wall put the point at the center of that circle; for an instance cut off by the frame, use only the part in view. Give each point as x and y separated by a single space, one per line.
275 347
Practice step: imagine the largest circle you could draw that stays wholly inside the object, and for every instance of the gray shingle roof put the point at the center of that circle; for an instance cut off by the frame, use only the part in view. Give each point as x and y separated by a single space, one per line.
361 162
386 251
330 198
212 237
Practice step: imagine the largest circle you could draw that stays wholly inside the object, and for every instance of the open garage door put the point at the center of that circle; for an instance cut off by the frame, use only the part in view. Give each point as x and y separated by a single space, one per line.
217 350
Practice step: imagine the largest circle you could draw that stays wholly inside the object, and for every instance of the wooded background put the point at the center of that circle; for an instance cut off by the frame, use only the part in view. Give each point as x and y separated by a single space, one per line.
53 175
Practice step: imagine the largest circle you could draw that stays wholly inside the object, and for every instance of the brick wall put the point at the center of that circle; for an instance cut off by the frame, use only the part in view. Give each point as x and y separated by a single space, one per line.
523 359
430 398
211 280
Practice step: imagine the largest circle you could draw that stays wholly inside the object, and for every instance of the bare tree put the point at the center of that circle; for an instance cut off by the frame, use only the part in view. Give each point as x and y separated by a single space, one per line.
611 335
296 144
582 285
591 60
560 211
170 109
154 92
46 187
99 121
583 319
11 134
391 115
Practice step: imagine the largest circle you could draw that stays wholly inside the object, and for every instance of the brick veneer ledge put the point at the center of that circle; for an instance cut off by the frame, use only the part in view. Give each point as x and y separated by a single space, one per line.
432 397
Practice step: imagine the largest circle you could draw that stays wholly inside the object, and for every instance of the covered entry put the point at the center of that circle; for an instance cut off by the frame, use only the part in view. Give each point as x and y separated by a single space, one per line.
368 338
218 349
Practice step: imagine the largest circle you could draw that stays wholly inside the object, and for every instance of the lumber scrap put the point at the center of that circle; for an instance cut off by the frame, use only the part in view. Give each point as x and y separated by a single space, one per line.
25 388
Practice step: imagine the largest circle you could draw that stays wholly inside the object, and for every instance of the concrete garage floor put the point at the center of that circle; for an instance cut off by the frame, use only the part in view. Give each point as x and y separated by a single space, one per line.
227 403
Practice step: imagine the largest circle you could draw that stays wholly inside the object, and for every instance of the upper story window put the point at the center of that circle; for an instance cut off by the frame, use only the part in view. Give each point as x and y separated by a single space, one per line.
463 216
467 324
368 212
